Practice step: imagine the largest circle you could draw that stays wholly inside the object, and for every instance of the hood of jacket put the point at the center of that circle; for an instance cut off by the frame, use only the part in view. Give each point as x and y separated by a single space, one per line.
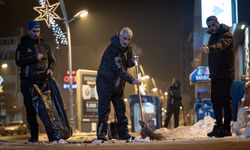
222 29
116 41
26 38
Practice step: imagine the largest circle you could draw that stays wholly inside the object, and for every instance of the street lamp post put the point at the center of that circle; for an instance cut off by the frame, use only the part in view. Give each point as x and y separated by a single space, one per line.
71 94
66 22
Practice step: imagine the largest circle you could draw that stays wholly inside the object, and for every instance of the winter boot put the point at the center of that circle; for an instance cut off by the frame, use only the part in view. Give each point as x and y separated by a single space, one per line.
216 130
33 140
225 131
102 136
127 136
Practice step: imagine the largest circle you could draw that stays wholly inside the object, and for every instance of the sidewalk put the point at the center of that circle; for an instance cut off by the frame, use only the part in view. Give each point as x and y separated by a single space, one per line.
78 142
75 143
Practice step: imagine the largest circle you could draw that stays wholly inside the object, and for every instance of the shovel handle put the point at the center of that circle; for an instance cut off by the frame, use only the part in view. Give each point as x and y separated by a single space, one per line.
138 90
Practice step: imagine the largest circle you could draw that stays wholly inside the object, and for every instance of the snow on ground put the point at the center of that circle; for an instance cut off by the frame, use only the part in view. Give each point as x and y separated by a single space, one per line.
240 128
199 129
86 136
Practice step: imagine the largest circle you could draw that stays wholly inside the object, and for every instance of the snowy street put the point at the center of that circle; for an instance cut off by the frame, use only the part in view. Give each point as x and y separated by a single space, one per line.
176 144
183 137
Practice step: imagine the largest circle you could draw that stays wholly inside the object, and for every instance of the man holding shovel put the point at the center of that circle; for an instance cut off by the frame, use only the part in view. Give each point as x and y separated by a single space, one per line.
111 78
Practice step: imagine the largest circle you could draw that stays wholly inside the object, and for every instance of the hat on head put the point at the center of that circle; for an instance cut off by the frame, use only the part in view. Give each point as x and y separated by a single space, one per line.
33 24
176 80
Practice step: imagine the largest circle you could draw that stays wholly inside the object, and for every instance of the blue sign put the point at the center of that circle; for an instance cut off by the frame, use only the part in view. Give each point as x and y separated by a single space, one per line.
66 86
203 107
200 74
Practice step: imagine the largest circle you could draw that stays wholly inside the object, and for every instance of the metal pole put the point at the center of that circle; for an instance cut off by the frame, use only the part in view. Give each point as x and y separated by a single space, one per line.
71 94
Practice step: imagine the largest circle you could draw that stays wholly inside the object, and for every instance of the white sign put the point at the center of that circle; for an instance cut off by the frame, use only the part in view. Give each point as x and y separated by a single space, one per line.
222 9
1 80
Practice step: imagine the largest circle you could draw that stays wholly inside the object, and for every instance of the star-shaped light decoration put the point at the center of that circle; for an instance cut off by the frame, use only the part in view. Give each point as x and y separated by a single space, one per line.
47 12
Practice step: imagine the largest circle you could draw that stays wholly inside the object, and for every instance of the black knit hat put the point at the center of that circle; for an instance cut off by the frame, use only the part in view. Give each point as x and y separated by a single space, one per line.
33 24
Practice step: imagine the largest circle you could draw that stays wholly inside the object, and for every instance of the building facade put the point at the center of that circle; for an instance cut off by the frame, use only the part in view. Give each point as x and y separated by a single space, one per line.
11 105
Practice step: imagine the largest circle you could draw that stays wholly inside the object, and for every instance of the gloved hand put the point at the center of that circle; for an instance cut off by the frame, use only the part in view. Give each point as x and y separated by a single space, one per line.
137 82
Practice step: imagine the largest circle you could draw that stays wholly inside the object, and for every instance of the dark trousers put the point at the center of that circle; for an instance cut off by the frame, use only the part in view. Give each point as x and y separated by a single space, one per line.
172 110
31 113
222 101
107 94
31 105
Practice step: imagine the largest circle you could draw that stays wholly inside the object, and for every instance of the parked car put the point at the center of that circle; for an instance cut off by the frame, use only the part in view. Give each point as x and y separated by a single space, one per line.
2 129
16 127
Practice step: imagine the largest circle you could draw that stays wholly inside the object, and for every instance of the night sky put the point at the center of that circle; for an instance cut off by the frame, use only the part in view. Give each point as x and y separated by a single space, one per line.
160 26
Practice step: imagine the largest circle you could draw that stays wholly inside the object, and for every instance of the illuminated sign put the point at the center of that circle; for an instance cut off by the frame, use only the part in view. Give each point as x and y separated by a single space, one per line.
201 73
1 81
89 96
222 9
66 80
86 100
66 86
202 90
247 55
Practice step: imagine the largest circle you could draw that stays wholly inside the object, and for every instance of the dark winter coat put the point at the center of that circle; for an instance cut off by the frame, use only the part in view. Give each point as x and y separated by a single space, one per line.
26 58
221 54
174 99
114 64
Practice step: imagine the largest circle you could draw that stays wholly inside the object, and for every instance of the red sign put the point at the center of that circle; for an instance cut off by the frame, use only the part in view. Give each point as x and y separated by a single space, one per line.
66 78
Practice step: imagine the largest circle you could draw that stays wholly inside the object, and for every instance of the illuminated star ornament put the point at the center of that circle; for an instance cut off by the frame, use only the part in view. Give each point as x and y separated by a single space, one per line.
47 13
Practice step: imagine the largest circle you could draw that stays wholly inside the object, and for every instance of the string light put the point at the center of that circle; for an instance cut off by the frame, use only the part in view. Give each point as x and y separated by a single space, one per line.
47 14
60 37
41 2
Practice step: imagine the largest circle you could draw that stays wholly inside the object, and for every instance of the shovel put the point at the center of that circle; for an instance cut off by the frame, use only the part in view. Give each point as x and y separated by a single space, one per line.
146 131
138 88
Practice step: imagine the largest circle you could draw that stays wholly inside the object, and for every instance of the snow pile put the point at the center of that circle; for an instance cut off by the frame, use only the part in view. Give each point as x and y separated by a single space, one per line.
199 129
242 126
246 133
85 136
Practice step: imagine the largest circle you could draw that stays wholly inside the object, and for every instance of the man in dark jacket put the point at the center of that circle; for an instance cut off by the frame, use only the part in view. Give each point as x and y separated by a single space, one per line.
220 50
173 103
112 75
35 59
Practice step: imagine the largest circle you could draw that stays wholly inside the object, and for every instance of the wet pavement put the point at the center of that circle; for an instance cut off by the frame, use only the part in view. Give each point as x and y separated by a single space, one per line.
83 141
